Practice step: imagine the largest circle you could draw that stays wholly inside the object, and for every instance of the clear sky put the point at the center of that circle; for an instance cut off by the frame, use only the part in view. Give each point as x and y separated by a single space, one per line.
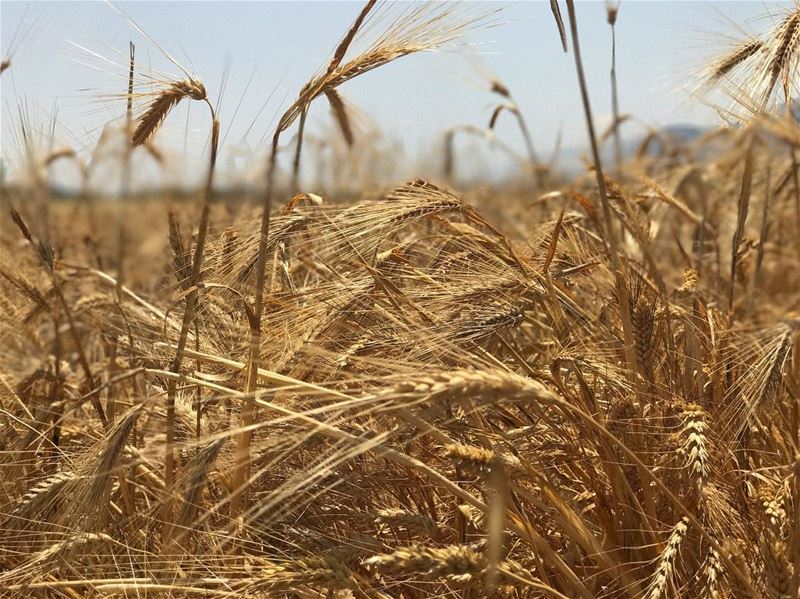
277 46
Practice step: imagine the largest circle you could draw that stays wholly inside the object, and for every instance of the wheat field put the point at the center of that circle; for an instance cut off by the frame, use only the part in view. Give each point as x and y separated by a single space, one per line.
581 387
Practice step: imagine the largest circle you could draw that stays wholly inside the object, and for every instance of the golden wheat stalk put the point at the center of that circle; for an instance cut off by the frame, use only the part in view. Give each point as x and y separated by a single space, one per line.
160 106
421 28
189 316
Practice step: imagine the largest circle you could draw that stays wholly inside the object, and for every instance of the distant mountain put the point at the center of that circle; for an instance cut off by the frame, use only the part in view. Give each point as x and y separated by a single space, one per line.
678 133
683 132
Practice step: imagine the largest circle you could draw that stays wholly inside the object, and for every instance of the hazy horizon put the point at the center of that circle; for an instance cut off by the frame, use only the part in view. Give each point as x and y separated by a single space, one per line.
267 50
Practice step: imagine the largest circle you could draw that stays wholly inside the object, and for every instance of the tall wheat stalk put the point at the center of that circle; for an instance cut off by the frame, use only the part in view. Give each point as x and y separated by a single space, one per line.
125 192
311 90
610 233
189 315
422 28
612 12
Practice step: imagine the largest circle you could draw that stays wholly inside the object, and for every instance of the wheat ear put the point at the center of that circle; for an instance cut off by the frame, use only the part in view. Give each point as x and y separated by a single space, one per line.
159 108
666 562
734 58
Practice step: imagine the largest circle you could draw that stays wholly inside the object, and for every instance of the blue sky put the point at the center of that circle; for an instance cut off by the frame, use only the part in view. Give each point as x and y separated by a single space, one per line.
277 46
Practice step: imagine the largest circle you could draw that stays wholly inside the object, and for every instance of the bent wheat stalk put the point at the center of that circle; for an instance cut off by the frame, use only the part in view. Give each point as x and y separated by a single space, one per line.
424 28
189 315
526 135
